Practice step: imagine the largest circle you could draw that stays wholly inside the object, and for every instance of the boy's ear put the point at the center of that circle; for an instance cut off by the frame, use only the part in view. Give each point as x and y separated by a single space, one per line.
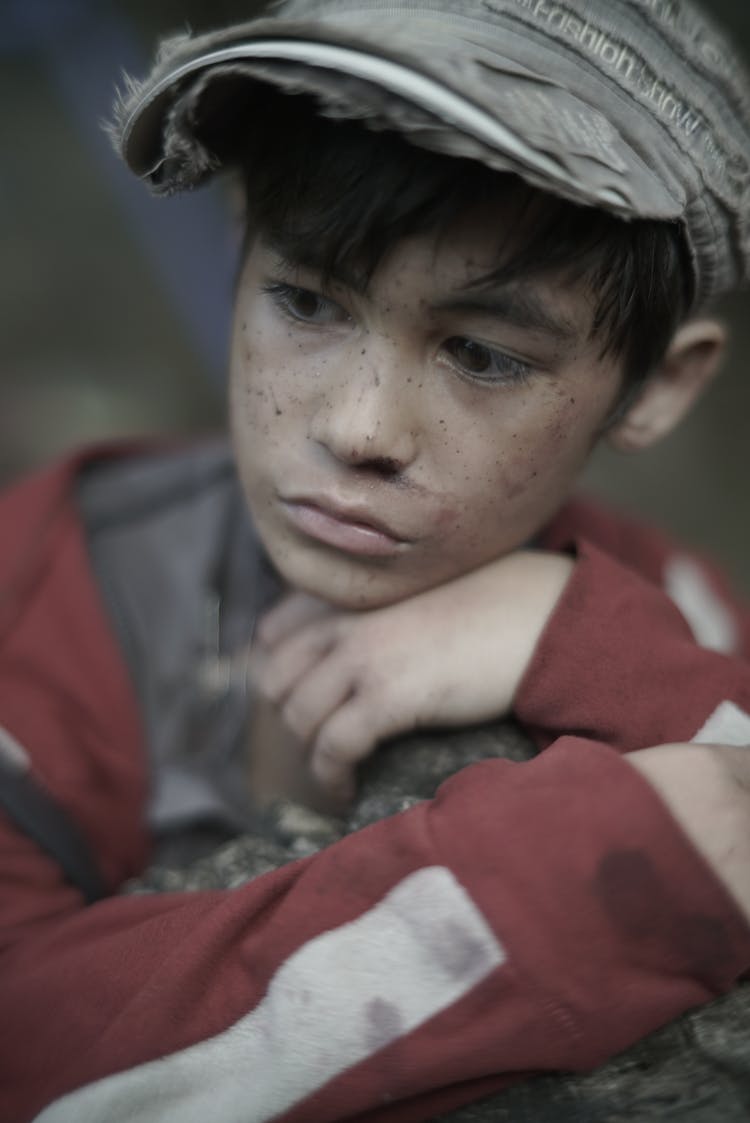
692 361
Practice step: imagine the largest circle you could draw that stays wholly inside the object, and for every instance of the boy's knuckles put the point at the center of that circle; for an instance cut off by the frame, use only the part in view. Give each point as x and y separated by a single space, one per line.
276 679
266 683
272 688
341 747
322 637
264 632
298 716
370 679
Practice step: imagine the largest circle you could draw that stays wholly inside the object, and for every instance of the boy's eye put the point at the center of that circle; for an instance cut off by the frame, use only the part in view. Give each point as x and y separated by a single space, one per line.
305 305
484 363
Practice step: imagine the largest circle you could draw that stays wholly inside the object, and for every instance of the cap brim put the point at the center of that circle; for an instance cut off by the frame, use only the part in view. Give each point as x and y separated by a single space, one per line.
621 183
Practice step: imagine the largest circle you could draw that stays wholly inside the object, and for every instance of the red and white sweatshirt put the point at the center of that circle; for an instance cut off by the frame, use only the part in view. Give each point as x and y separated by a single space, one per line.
532 916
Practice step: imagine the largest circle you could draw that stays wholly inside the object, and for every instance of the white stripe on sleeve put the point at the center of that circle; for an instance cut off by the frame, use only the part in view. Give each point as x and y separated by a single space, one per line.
336 1001
727 725
710 620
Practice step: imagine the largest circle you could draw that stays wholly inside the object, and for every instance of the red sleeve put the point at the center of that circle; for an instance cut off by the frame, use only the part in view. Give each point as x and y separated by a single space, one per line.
718 618
540 915
619 662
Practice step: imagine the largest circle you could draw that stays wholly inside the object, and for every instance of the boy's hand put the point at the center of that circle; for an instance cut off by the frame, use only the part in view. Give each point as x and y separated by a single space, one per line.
453 655
707 790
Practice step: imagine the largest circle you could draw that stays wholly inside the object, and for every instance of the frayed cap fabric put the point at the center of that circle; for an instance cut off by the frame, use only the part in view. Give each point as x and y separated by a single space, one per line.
639 107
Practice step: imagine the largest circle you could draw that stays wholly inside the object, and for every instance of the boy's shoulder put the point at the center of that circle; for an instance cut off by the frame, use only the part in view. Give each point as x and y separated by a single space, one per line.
632 540
129 483
117 514
104 484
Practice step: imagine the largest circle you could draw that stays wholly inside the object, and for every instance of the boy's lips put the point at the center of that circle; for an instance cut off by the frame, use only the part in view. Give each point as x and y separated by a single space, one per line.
353 529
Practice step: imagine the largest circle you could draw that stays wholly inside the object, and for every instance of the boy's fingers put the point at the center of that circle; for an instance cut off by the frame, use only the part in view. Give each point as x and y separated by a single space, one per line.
294 612
316 695
342 743
337 778
276 674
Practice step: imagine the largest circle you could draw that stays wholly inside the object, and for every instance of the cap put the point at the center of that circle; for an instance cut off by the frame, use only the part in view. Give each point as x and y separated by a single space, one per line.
639 107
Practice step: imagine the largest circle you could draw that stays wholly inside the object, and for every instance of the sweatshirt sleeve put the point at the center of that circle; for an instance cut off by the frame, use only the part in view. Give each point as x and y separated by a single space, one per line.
620 662
532 916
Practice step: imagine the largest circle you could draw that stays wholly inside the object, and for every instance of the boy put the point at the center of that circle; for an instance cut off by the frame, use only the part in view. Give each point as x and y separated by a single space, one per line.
432 330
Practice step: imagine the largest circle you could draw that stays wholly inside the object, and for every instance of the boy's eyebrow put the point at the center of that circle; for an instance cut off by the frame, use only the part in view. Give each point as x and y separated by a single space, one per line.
514 304
358 283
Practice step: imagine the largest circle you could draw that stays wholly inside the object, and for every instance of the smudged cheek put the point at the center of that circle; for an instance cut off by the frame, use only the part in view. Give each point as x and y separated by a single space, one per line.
448 519
466 492
261 394
498 499
547 458
263 358
464 529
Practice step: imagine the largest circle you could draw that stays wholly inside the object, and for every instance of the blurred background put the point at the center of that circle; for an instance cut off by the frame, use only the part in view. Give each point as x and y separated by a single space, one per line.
114 306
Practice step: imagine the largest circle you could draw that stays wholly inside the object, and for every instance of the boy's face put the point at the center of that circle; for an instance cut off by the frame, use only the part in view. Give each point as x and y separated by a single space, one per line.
392 439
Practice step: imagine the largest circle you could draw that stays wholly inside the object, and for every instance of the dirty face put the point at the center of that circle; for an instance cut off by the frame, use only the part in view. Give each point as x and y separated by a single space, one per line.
394 437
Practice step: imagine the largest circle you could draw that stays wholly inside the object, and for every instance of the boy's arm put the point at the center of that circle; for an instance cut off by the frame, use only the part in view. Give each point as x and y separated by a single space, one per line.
574 642
539 915
619 662
453 655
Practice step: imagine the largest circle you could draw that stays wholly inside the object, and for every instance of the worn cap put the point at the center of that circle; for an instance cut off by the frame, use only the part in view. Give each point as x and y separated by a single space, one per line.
639 107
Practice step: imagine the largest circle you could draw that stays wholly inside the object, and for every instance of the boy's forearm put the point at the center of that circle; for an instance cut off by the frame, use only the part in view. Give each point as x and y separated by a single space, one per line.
500 927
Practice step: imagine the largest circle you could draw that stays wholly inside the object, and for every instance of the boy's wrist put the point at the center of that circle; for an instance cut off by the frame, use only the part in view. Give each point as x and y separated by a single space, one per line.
540 581
707 790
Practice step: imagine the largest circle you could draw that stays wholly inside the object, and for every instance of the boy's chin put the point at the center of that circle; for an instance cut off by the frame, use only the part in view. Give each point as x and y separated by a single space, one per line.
354 595
350 585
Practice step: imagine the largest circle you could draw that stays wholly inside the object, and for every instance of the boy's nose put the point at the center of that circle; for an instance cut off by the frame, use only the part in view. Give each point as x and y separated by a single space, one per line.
364 418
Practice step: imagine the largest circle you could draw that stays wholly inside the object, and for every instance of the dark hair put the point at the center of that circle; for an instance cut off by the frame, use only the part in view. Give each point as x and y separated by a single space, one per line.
335 195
